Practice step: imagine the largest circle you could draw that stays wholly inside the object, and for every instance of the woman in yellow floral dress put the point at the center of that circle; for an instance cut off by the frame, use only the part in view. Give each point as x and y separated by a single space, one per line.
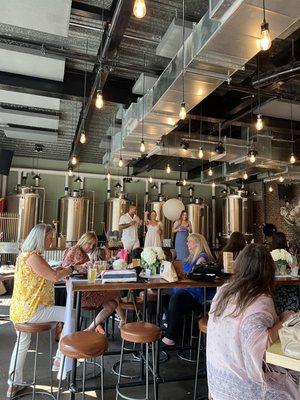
33 295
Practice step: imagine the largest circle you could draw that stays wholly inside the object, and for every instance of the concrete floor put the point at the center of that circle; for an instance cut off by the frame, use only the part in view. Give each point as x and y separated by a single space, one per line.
173 368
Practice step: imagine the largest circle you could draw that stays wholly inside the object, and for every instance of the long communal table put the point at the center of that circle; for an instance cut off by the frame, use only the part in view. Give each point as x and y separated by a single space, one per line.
157 283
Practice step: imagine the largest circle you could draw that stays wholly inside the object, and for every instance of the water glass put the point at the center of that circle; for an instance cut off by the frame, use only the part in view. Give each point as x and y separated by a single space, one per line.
92 273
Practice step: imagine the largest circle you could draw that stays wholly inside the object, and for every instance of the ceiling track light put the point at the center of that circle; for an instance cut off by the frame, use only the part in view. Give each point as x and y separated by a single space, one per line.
82 137
168 169
259 123
139 9
265 39
252 154
99 99
142 146
74 160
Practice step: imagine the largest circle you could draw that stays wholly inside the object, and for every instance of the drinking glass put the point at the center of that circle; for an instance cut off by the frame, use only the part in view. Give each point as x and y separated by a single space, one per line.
92 273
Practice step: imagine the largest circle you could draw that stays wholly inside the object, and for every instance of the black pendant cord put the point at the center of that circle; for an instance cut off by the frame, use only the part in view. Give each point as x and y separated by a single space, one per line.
183 47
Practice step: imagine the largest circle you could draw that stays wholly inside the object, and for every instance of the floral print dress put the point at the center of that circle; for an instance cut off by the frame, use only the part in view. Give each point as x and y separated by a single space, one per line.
79 259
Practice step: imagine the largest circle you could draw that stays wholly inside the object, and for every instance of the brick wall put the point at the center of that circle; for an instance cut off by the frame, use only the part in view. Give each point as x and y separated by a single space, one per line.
273 216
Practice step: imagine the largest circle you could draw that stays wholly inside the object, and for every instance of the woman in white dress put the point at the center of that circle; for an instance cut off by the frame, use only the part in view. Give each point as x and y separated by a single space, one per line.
154 233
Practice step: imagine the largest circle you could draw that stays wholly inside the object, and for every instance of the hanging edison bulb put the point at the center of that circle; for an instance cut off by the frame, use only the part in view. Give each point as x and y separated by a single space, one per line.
74 160
70 171
292 158
200 154
245 176
150 179
252 155
271 189
121 162
182 112
281 179
259 122
142 146
82 137
99 99
139 8
168 169
108 176
210 172
184 182
265 39
213 184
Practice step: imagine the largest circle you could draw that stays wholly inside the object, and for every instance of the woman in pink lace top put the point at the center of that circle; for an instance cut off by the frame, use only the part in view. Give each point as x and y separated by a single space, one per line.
78 257
241 326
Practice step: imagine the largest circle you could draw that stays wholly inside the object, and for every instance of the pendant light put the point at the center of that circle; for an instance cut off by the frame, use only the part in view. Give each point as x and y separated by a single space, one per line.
82 137
99 103
259 122
74 160
292 157
150 179
281 179
182 112
142 146
252 155
108 176
213 184
70 171
184 182
121 162
200 153
210 171
265 40
271 189
245 176
139 9
154 186
168 169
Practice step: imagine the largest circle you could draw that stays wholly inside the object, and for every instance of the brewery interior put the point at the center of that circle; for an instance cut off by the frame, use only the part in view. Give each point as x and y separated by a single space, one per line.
100 108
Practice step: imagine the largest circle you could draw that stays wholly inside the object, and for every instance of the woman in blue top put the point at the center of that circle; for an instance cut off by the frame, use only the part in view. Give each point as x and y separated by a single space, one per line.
184 300
182 227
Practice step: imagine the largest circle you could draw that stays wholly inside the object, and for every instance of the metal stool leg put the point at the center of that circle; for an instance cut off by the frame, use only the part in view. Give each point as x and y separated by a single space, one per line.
15 363
83 380
154 370
147 371
35 364
50 360
183 331
102 378
60 378
120 370
197 365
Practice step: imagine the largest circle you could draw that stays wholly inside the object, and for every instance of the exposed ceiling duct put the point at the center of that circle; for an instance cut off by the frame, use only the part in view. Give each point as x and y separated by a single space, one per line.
214 51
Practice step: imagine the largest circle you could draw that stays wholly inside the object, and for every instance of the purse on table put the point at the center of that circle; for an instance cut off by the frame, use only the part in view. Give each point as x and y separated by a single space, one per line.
290 336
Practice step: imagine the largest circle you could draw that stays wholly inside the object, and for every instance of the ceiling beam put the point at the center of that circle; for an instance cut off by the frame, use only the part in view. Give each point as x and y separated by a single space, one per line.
82 9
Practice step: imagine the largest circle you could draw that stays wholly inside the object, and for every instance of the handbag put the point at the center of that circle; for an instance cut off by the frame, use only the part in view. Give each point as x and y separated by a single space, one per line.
205 272
168 272
290 336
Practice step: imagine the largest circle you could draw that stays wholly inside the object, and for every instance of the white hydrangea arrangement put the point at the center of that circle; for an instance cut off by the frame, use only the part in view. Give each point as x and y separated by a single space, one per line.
152 258
282 260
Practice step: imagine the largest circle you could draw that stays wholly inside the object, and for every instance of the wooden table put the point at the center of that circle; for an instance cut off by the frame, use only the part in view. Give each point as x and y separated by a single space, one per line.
275 356
156 283
6 277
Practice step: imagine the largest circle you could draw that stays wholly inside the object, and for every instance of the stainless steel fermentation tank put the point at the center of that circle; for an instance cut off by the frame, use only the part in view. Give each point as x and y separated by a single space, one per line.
113 209
73 210
198 214
236 215
166 224
24 205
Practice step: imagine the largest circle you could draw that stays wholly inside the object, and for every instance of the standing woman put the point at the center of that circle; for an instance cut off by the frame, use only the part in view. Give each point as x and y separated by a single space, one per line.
33 295
109 300
182 227
154 233
286 297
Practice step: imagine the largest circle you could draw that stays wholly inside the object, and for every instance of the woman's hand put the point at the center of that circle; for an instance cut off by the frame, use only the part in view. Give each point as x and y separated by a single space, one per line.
286 315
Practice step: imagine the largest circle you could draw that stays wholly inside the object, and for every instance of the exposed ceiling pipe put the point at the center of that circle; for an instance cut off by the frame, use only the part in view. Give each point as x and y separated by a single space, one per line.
104 177
281 74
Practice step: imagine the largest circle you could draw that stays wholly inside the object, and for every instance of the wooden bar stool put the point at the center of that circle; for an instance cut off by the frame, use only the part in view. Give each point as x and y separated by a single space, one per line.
202 325
142 333
37 329
84 345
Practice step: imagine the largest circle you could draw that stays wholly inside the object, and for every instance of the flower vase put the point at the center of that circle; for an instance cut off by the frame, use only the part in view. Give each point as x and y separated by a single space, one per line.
280 268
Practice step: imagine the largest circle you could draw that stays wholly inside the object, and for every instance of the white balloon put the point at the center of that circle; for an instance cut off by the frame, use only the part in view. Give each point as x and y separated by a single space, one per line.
172 209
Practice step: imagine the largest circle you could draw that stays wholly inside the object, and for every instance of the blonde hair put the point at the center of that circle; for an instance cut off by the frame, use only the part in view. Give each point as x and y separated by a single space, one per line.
35 240
202 246
88 237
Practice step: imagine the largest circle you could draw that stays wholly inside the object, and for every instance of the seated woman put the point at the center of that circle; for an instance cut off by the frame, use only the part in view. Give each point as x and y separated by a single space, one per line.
235 245
286 297
109 300
242 324
33 295
184 300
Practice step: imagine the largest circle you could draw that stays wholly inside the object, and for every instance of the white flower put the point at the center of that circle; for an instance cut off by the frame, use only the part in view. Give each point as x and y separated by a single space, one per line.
159 252
281 255
148 255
